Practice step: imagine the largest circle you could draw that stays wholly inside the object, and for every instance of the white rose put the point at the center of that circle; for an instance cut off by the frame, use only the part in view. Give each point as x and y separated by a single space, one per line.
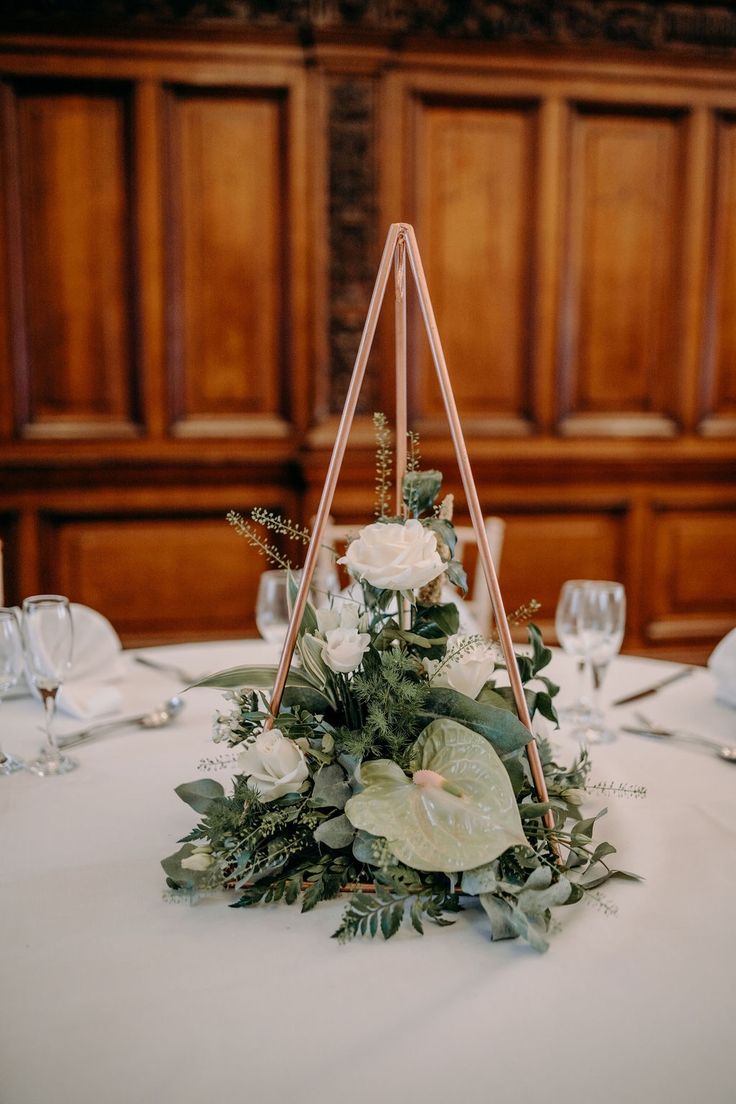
273 764
343 649
391 556
464 668
345 618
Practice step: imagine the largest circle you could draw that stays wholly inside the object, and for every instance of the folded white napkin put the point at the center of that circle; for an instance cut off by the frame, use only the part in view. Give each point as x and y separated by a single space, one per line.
722 663
96 664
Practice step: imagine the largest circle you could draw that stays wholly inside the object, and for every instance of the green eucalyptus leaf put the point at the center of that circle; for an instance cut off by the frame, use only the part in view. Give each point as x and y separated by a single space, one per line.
336 833
457 576
364 847
484 879
499 726
429 828
534 900
441 620
331 789
541 655
180 878
421 489
200 794
445 531
499 915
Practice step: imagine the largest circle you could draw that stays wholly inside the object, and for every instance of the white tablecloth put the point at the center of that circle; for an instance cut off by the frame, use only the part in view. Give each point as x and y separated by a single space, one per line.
110 994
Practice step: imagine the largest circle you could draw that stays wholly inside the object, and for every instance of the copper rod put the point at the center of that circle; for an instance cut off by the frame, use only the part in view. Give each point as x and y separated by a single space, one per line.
328 491
476 516
404 609
401 382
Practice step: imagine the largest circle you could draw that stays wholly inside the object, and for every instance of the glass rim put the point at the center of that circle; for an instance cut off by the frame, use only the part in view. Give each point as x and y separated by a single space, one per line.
48 599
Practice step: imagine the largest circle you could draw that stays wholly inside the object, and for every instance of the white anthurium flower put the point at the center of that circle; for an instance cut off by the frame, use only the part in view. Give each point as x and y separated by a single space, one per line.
343 649
274 765
465 668
392 556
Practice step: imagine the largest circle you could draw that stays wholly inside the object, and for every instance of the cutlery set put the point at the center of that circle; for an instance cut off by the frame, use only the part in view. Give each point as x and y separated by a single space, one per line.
153 718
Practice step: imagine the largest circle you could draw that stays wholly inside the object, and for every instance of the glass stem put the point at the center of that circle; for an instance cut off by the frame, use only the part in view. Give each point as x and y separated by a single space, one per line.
49 701
598 673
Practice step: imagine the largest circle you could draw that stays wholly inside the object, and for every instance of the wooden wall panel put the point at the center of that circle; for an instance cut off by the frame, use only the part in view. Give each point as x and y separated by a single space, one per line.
166 588
228 183
620 344
74 187
690 565
542 549
719 377
473 180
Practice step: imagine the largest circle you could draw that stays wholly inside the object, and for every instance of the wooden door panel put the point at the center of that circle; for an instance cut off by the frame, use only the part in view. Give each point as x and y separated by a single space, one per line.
73 186
229 307
719 378
619 357
474 200
543 549
690 567
164 578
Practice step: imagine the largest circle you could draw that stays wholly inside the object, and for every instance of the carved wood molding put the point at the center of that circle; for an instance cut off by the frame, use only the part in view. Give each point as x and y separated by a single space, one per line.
647 24
352 216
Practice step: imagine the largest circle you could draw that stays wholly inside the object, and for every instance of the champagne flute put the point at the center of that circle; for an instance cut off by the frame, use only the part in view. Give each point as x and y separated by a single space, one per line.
601 622
48 635
11 668
567 628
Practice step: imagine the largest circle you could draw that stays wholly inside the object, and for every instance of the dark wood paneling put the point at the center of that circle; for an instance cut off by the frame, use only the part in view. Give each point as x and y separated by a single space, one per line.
152 576
473 180
619 352
719 378
74 189
228 185
690 565
564 205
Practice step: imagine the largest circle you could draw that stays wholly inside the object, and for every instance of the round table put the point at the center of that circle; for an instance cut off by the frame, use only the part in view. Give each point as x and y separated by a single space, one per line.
112 993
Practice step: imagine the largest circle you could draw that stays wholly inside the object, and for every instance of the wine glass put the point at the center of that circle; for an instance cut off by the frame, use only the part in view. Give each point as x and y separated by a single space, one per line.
567 615
272 605
601 620
48 636
11 668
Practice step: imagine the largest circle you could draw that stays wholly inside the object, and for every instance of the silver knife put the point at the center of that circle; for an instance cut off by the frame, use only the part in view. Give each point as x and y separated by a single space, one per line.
639 694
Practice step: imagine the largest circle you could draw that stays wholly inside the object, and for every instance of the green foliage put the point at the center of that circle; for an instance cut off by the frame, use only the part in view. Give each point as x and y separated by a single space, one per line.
363 735
391 694
385 909
420 491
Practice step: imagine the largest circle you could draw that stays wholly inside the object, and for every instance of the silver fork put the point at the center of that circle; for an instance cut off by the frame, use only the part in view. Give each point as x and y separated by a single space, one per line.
648 728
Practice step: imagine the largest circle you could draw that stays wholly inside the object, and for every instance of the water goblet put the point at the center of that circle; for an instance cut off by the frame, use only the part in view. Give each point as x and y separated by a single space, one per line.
567 615
11 668
601 622
48 636
272 605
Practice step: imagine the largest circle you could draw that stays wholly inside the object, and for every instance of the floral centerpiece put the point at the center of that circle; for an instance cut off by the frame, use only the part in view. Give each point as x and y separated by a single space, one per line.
395 772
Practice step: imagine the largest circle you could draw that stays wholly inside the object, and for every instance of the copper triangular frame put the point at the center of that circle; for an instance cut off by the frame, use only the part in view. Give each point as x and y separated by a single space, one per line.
401 243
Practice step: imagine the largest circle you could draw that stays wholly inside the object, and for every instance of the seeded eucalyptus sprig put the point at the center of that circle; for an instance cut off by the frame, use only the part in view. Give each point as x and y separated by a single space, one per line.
384 463
244 529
